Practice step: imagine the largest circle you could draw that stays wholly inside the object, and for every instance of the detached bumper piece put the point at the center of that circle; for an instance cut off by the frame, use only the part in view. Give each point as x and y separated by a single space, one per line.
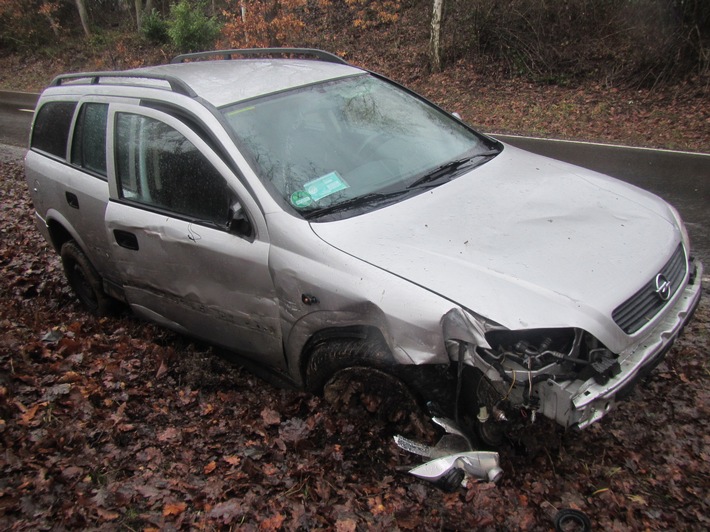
453 460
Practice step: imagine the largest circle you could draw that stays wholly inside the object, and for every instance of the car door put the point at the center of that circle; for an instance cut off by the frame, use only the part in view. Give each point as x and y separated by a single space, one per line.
86 187
181 262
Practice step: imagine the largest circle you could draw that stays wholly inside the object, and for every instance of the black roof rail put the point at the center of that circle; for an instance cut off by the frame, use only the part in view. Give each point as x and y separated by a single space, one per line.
320 55
176 85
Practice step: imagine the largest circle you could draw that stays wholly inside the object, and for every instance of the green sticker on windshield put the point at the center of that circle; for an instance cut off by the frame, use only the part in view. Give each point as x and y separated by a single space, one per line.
301 199
325 186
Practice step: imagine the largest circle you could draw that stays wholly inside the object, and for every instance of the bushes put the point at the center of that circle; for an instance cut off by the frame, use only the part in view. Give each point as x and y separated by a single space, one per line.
637 42
155 28
189 29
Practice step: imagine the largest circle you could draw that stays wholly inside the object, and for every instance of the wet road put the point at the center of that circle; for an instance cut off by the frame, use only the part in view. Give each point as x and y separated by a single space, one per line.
15 116
681 178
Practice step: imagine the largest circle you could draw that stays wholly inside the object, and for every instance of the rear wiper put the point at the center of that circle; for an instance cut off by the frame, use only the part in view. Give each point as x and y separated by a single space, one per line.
450 168
359 201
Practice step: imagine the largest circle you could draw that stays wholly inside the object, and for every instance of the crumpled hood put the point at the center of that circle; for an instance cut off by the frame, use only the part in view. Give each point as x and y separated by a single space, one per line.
523 240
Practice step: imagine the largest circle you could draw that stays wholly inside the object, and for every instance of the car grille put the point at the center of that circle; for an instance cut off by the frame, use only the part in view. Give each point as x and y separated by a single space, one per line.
638 310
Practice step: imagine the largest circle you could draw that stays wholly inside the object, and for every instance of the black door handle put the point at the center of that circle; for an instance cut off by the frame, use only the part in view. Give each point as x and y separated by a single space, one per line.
72 200
125 239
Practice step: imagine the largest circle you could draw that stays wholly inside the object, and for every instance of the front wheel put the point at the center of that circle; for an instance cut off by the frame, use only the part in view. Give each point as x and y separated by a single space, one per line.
352 371
85 280
329 357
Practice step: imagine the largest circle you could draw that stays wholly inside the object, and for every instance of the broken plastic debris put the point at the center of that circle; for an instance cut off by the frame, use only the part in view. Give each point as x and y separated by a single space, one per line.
448 444
480 464
453 458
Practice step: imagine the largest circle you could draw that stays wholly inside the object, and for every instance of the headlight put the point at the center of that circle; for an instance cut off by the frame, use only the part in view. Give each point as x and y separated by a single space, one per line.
681 226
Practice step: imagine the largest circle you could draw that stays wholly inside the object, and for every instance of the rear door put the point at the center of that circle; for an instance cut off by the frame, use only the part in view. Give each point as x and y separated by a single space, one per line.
168 223
87 189
68 180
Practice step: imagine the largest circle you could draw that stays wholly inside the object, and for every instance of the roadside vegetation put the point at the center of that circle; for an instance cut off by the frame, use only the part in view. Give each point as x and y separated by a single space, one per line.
620 71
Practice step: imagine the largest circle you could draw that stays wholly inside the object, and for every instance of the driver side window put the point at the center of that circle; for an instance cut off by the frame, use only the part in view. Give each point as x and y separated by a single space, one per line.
160 168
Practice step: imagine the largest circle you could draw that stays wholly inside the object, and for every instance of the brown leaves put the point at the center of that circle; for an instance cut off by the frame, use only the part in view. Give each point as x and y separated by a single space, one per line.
118 424
270 417
175 508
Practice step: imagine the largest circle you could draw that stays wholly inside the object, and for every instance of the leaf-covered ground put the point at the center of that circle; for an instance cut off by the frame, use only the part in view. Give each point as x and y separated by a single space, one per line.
114 423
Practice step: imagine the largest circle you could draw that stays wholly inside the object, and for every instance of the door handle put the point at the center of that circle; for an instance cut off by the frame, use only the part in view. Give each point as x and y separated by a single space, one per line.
125 239
72 200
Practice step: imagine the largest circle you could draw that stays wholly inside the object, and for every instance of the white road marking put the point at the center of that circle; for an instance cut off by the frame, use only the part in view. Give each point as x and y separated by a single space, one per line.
606 145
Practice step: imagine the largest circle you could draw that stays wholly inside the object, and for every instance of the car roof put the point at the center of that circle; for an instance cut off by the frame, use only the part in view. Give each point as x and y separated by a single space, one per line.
221 82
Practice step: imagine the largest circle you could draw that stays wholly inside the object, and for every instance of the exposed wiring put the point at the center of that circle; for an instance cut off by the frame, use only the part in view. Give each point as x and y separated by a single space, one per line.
510 389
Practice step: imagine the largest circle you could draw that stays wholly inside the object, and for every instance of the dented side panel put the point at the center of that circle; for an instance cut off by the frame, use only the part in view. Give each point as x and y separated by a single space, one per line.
349 292
212 284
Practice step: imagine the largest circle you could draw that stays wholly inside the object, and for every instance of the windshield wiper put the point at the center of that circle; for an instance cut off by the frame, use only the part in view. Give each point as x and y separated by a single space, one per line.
352 203
452 168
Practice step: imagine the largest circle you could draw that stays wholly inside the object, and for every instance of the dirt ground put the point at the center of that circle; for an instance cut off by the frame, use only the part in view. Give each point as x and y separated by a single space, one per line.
114 423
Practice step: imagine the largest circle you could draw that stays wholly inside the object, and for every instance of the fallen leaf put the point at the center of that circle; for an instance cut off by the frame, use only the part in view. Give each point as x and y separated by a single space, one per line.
272 523
162 370
232 460
175 508
107 515
29 413
346 525
270 417
169 434
638 499
210 467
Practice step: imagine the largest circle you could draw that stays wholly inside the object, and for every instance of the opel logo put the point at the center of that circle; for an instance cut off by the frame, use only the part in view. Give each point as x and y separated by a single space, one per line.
663 287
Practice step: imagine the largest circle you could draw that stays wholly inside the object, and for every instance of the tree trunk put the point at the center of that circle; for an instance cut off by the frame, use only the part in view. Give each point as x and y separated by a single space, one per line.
243 9
435 39
84 16
141 11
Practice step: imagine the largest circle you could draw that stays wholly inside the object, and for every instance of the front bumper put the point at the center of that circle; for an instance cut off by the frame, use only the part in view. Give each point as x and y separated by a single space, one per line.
581 403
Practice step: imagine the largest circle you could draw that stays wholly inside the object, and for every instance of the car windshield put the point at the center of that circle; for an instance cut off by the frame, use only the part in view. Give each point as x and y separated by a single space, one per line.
344 147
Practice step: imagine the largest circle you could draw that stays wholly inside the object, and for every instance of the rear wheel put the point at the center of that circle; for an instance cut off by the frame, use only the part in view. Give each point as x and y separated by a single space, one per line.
85 280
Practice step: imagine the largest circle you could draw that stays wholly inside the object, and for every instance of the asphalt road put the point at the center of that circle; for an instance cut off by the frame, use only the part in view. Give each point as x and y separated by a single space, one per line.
681 178
15 115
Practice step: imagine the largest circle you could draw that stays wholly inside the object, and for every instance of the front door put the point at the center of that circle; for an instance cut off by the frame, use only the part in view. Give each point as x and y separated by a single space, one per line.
181 265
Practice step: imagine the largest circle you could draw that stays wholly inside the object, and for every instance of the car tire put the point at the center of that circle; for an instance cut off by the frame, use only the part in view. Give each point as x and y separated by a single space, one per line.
355 373
85 280
329 357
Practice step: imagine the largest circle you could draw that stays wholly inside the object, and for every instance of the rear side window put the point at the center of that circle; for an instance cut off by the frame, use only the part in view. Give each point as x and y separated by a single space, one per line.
89 145
157 166
51 128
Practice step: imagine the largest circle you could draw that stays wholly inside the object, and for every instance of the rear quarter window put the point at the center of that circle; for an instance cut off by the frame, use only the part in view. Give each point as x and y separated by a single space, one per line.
51 129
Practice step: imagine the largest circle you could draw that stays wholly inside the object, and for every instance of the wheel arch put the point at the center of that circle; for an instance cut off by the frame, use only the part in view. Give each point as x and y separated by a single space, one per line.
61 231
367 335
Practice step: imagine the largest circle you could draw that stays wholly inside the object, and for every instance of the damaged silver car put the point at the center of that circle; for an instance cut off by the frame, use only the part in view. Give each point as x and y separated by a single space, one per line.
316 217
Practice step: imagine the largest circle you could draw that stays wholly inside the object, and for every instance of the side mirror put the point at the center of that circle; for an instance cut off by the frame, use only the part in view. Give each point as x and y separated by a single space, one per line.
239 223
